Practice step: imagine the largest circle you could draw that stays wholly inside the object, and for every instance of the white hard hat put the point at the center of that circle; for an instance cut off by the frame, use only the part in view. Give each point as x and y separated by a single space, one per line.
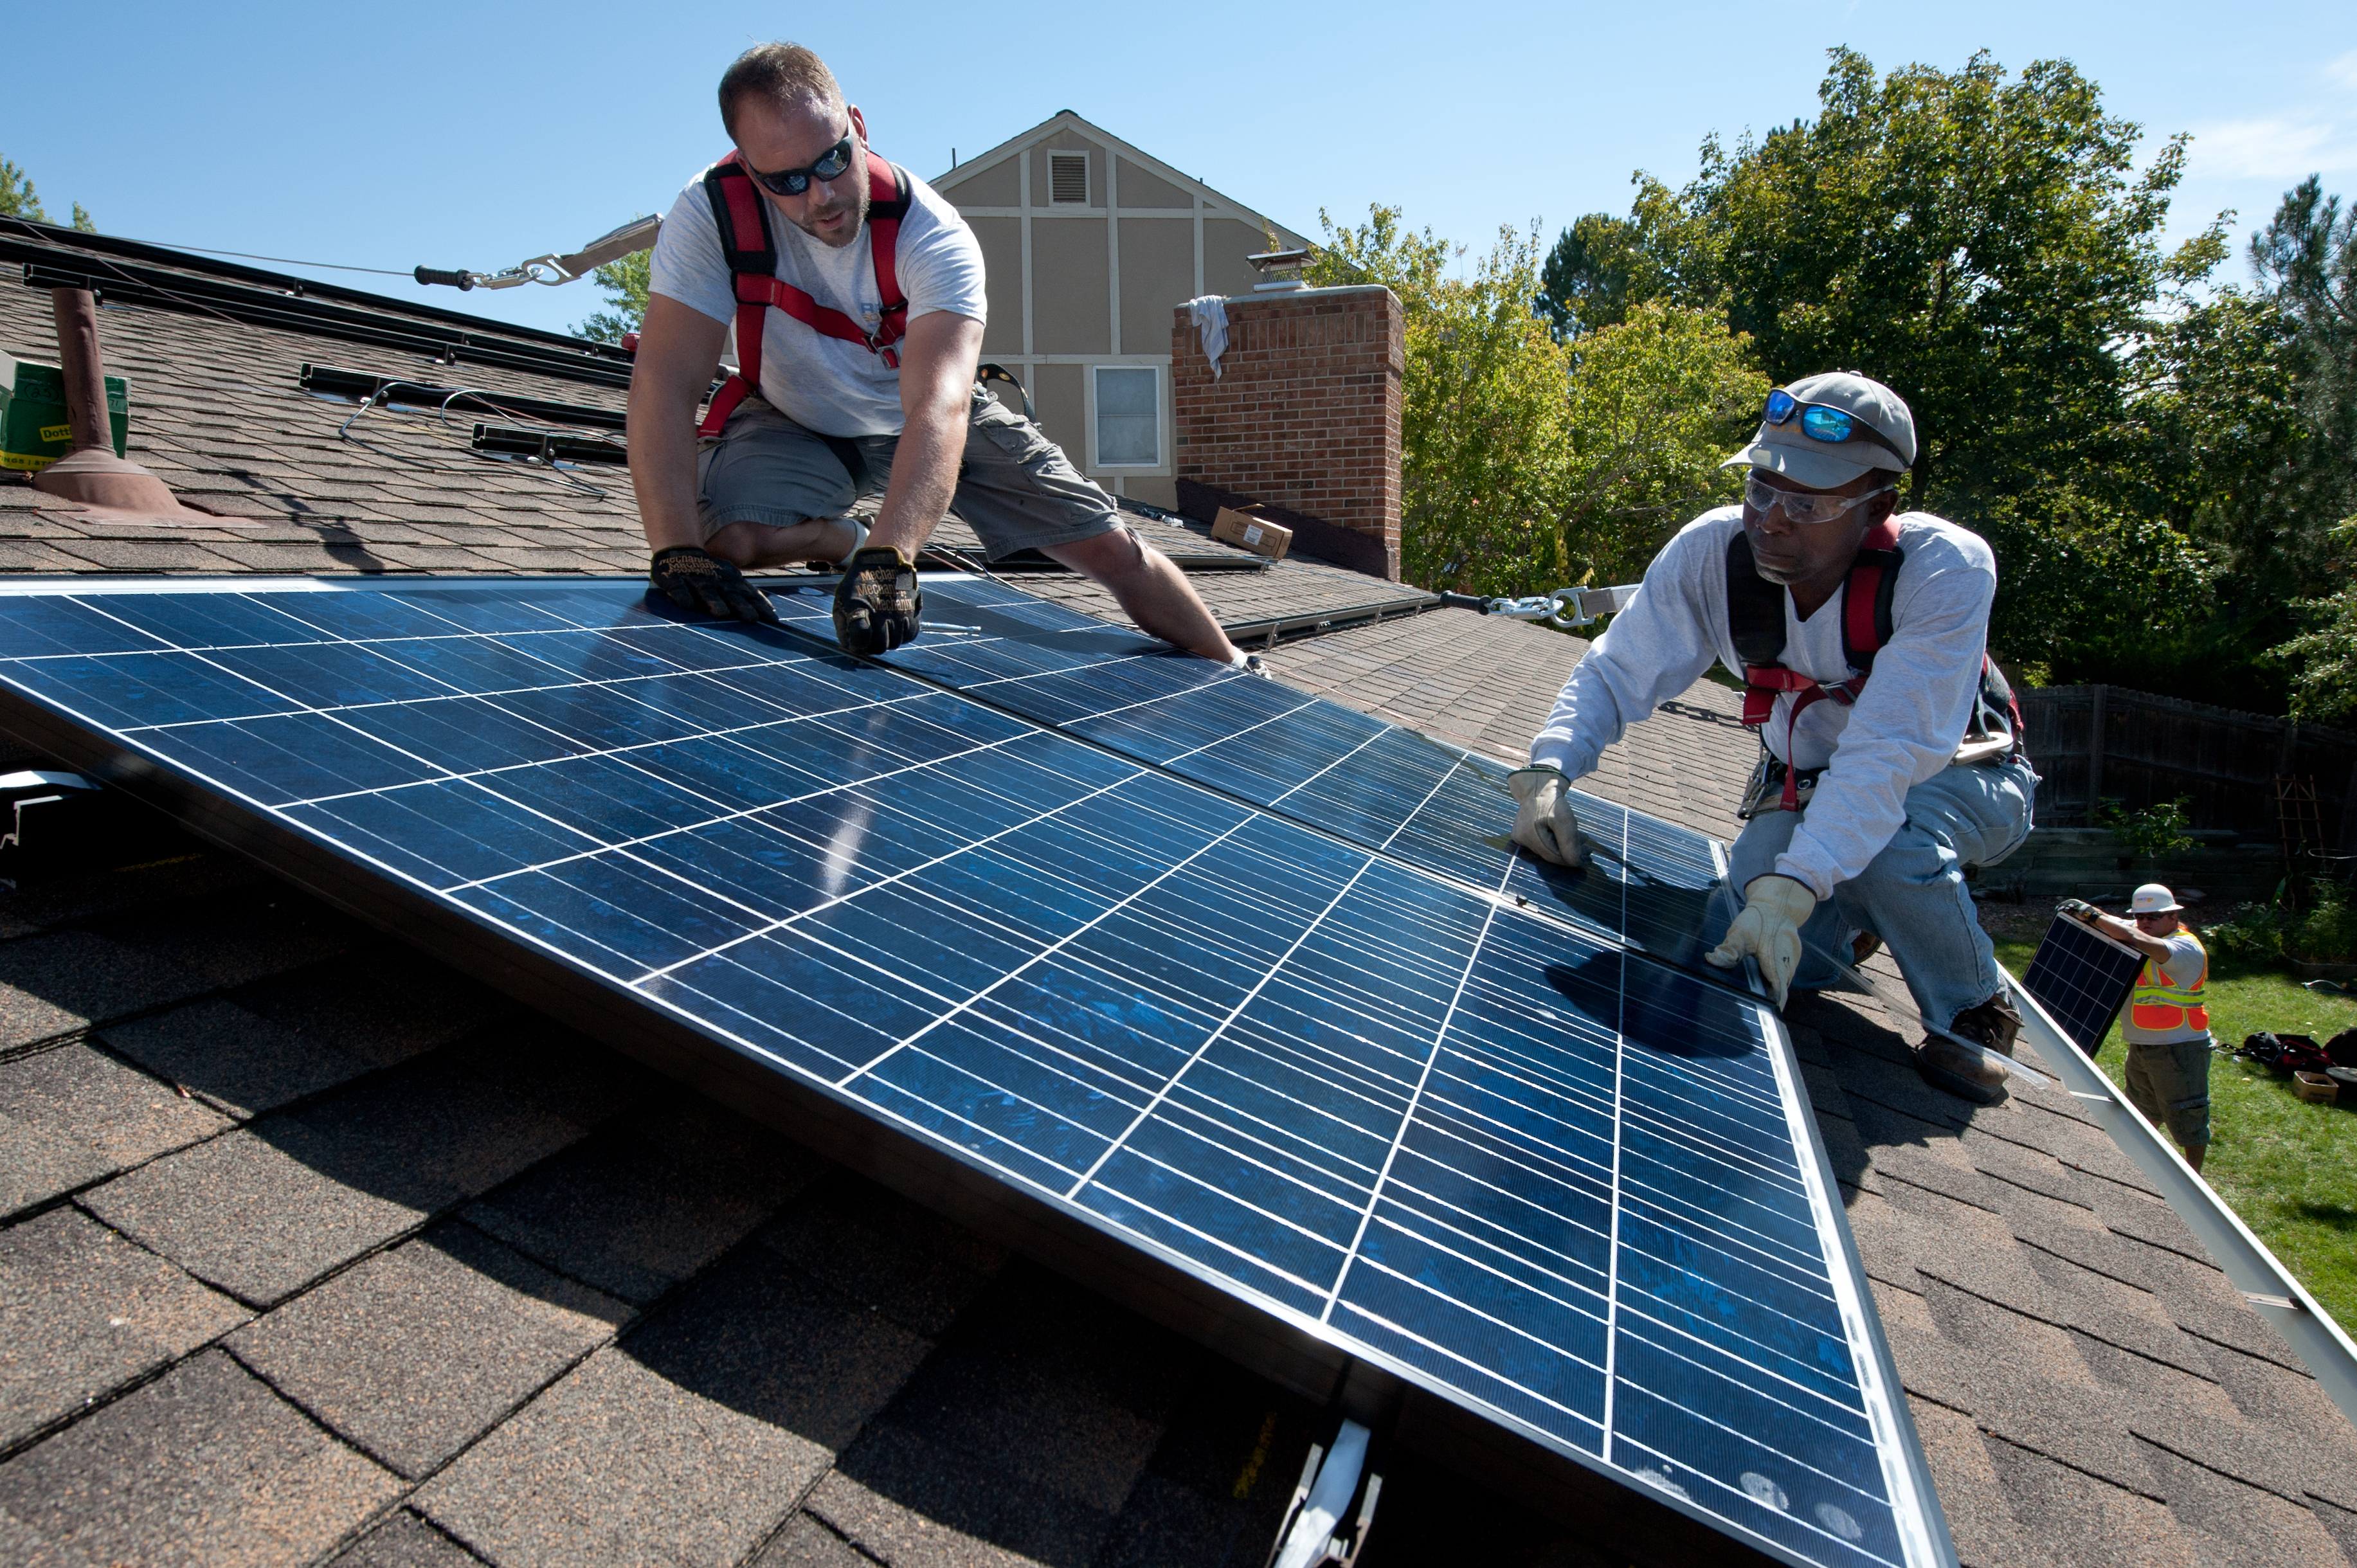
2152 898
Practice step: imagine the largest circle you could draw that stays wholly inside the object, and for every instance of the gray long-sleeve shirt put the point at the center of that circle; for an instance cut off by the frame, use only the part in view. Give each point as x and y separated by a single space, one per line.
1903 729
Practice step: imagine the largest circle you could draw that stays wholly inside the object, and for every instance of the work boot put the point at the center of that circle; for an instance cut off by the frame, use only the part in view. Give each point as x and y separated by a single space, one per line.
1862 945
1946 1065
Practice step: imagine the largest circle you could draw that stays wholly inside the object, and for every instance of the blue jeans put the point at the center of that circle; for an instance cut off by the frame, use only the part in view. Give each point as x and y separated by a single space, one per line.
1912 893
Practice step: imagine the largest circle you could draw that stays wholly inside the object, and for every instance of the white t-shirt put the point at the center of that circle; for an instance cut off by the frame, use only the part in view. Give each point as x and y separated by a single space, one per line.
823 384
2185 963
1902 730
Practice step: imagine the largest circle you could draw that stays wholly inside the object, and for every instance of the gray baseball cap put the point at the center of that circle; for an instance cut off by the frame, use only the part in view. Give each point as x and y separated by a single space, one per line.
1786 449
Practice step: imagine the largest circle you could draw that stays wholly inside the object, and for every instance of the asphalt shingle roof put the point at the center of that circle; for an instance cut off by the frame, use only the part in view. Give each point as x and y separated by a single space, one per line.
313 1250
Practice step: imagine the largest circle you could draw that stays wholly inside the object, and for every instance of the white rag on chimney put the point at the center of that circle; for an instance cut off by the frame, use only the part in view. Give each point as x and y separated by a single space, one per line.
1210 313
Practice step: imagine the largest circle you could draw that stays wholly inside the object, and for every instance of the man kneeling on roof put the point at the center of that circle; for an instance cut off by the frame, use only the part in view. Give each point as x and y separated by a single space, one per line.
1867 807
855 421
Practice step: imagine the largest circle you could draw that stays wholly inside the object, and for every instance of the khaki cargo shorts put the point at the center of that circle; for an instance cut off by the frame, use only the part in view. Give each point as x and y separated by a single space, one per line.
2170 1084
1015 487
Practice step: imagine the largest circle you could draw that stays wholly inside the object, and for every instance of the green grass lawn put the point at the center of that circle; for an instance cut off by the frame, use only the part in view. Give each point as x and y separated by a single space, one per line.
2287 1167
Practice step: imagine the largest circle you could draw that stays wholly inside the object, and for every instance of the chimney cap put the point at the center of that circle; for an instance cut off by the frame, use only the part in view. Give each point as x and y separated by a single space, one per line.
1280 261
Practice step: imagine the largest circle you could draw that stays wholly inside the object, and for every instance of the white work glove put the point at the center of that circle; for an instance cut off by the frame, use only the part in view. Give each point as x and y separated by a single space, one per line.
1543 823
1769 928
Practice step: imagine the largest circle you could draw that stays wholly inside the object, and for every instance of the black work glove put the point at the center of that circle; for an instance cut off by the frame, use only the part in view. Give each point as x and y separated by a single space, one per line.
693 580
877 604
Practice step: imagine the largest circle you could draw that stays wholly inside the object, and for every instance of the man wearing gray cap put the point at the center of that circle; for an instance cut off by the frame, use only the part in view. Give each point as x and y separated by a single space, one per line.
1892 754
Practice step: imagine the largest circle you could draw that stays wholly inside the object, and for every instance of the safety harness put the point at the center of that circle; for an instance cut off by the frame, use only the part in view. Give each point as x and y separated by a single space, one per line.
1755 624
740 213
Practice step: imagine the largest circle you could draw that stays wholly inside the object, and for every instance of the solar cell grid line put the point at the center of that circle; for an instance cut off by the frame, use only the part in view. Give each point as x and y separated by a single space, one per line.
1173 1085
1530 1173
2083 977
1322 764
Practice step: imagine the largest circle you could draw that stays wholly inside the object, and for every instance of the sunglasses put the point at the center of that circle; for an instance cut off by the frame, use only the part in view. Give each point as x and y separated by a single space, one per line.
1821 422
830 165
1801 506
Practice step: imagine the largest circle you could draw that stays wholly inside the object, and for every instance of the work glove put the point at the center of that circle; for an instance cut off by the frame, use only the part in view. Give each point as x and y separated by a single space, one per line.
1543 823
1768 930
877 603
694 580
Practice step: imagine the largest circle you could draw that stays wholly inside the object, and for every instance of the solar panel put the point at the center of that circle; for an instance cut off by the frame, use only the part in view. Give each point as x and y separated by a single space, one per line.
1523 1171
1438 808
2081 977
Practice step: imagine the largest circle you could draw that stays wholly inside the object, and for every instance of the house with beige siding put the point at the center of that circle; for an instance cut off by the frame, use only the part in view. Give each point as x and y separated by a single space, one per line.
1091 242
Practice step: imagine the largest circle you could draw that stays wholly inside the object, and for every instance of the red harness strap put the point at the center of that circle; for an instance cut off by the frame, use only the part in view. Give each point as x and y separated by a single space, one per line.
739 211
1860 635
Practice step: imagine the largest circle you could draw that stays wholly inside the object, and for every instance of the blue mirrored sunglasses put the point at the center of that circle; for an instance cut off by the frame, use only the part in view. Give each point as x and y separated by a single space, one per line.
794 181
1821 422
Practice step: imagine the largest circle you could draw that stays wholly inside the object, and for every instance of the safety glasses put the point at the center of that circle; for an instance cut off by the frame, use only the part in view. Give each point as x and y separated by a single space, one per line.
1821 422
794 181
1801 506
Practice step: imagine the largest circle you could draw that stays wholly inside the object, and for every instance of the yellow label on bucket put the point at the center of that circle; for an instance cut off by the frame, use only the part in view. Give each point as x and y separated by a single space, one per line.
56 432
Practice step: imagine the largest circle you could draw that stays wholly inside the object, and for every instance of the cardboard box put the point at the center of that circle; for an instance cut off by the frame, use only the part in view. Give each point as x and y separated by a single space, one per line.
34 428
1257 534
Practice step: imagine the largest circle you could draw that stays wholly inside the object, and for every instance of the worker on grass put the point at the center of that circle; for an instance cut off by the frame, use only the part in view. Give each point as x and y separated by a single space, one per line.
2165 1024
1891 759
855 421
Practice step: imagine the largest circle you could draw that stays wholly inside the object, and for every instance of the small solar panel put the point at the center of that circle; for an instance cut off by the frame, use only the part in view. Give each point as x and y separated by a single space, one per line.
1520 1168
2081 977
1440 808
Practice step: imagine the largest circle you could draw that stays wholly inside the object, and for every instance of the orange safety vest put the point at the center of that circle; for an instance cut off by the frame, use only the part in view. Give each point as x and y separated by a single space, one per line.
2159 1004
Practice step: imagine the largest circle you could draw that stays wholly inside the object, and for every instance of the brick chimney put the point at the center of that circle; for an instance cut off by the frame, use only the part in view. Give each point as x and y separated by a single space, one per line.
1304 417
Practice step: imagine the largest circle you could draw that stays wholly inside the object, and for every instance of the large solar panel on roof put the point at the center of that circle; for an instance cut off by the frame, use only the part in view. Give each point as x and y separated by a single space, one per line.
1431 806
2083 977
1520 1167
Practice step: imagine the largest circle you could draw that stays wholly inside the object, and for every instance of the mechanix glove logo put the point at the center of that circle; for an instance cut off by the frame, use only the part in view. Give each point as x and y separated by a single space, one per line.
877 603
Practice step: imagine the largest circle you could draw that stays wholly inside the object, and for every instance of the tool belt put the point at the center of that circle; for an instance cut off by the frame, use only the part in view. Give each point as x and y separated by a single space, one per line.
1766 790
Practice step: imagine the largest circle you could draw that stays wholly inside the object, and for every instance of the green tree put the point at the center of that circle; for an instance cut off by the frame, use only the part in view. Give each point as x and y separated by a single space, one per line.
2094 591
2323 658
1600 262
18 200
1982 243
1985 244
1484 450
625 283
1657 399
1602 266
18 197
1529 462
2217 400
2306 259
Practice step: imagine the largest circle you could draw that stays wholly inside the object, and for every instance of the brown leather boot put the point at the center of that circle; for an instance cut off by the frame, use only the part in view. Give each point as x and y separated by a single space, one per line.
1946 1065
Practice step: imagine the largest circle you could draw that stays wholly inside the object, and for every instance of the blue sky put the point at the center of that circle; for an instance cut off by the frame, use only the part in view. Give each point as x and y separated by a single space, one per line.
476 135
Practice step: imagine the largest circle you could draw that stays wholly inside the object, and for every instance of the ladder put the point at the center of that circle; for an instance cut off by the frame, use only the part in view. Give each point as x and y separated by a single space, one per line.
2301 826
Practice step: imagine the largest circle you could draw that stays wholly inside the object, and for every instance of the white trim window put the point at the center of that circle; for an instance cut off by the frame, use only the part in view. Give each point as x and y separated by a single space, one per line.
1126 416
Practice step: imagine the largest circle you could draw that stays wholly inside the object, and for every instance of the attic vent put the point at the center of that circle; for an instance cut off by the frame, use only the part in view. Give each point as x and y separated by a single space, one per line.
1068 177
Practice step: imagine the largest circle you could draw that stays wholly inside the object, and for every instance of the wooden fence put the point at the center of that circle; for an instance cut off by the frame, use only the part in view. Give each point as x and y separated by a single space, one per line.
2089 742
